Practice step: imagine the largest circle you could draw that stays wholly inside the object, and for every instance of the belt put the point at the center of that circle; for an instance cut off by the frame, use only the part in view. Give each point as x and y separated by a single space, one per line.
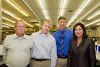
39 59
63 57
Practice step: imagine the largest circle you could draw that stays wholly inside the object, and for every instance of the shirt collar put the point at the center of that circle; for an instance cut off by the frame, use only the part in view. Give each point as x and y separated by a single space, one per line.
62 30
43 33
15 36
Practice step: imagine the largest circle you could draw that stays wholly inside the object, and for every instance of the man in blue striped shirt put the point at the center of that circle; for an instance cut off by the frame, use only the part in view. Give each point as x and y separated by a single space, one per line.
62 36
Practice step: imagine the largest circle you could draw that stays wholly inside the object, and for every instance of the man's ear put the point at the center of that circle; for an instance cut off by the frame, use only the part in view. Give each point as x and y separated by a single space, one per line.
66 23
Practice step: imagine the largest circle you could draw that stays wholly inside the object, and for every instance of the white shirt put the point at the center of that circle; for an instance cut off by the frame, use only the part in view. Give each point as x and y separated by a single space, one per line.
44 47
16 50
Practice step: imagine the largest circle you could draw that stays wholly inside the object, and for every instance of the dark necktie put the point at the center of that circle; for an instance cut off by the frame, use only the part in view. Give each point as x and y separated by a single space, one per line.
62 43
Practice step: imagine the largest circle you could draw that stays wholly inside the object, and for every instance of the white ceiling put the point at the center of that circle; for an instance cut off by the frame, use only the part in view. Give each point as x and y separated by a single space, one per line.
34 11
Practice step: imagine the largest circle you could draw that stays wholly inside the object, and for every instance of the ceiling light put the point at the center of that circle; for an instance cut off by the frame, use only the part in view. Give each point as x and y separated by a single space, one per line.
42 5
28 24
93 22
98 24
93 15
78 11
20 10
8 25
27 4
37 24
95 7
5 26
17 18
10 14
62 7
8 19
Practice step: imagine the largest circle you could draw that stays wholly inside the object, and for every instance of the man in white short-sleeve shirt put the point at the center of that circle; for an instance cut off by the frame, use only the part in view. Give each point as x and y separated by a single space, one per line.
17 47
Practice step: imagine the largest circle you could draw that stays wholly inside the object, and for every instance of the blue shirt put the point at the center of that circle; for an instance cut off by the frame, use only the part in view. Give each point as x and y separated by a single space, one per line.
67 38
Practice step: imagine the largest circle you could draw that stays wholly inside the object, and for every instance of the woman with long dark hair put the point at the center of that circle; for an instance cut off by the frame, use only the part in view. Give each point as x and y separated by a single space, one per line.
82 48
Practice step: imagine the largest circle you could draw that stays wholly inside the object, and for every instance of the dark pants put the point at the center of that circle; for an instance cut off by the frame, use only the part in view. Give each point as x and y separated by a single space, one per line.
7 66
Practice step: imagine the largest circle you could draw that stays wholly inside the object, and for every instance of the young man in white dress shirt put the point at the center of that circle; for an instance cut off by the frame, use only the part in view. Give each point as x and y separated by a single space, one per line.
44 47
16 48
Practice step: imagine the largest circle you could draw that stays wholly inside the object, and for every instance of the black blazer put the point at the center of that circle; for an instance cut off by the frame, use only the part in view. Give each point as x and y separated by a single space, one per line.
82 55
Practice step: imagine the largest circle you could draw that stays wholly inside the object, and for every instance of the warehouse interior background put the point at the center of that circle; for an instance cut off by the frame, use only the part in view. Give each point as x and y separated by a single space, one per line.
34 11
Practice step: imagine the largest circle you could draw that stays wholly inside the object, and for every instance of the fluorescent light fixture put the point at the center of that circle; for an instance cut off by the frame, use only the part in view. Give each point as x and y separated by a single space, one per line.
78 11
28 24
42 5
17 18
94 15
10 14
5 26
37 24
27 4
98 20
95 7
8 19
20 10
8 25
62 7
98 24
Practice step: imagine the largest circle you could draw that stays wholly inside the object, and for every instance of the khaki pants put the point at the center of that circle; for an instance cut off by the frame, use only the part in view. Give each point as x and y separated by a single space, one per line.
62 62
45 63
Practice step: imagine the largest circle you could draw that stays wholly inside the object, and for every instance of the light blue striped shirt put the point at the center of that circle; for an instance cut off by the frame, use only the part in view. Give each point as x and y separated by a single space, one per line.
44 47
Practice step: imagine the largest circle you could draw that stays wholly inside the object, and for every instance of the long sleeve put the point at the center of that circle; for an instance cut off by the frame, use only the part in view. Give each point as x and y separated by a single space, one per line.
92 53
53 55
69 55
